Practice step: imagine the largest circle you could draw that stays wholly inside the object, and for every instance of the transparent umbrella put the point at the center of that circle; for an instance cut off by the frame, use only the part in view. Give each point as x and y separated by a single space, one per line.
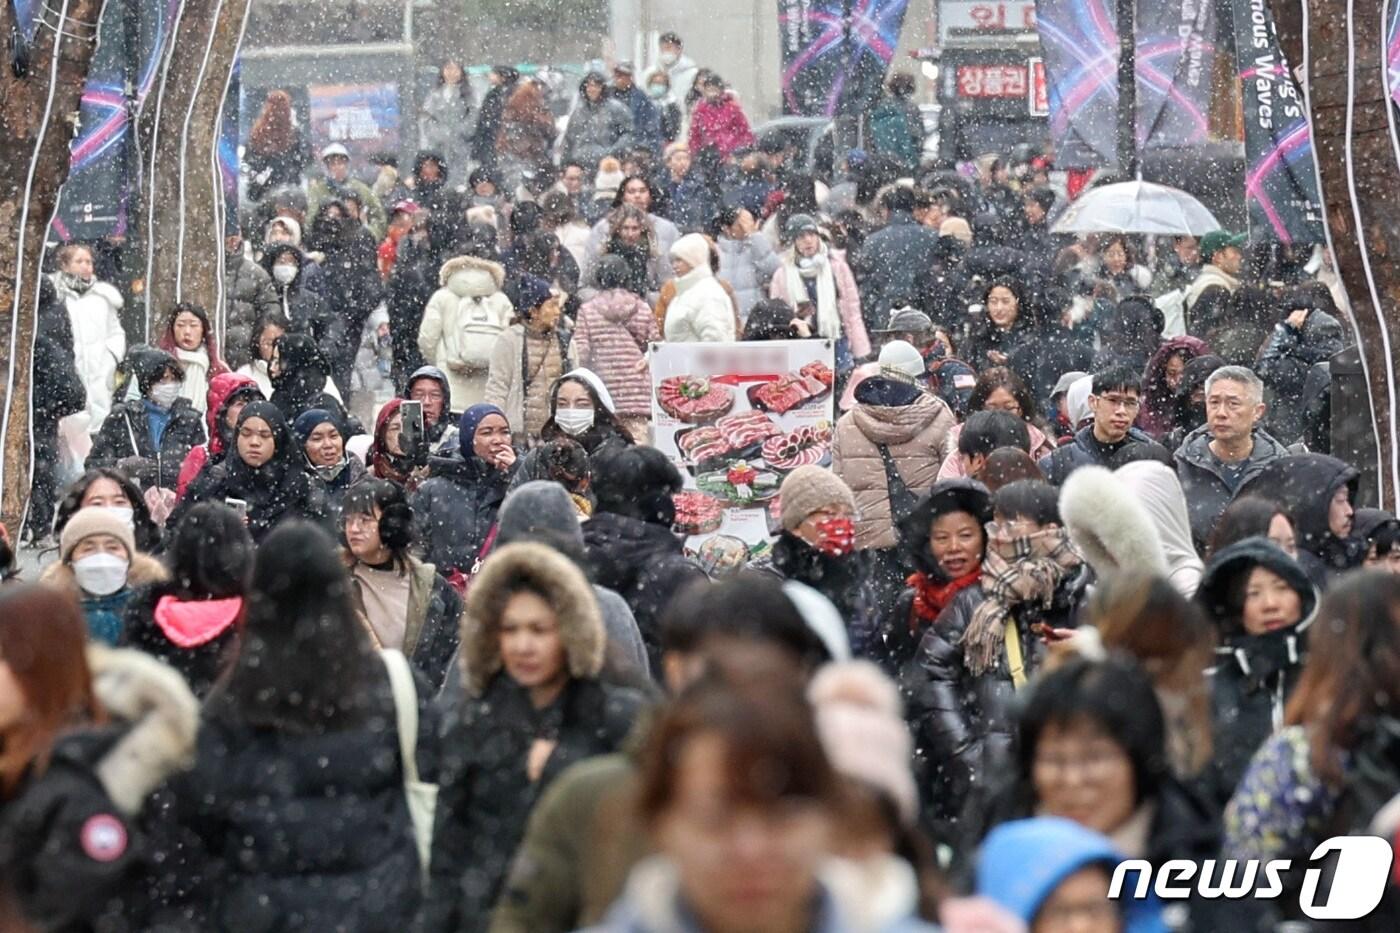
1137 207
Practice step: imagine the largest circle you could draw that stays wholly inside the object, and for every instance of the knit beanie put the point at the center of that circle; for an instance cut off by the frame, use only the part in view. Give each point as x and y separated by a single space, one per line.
808 489
901 362
693 249
863 731
95 520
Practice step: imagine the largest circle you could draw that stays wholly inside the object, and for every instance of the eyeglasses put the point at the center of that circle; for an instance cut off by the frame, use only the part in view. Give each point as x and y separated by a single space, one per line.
1115 402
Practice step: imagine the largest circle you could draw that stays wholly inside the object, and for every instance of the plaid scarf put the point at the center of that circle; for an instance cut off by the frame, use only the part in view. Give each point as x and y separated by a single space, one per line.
1023 571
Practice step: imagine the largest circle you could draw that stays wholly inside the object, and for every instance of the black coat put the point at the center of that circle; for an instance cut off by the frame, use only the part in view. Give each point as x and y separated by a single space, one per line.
889 265
201 665
643 563
351 268
46 827
1285 361
125 441
486 795
455 509
843 580
276 491
410 287
1304 485
281 831
964 724
305 308
1084 450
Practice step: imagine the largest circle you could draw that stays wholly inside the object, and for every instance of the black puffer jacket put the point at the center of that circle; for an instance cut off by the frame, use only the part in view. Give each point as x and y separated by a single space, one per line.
1304 485
125 441
843 580
486 794
454 510
1084 450
889 265
284 831
643 563
248 295
964 724
1285 361
1254 674
307 311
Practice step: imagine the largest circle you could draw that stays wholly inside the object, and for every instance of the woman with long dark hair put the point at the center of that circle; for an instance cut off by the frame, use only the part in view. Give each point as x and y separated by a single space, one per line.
293 815
191 621
277 149
110 488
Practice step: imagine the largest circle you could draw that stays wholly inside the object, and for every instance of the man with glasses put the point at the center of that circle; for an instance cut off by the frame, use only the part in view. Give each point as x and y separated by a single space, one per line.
1221 455
1114 399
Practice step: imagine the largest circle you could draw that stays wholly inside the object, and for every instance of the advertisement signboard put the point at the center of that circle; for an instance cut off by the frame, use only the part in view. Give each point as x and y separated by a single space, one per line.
735 418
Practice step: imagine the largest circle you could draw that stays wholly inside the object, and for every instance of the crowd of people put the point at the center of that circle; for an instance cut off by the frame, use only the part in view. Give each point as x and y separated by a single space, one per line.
1081 584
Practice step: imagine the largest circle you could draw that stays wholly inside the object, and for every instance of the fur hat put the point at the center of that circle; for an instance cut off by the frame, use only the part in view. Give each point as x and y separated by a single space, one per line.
809 488
95 520
1109 524
566 590
693 250
863 731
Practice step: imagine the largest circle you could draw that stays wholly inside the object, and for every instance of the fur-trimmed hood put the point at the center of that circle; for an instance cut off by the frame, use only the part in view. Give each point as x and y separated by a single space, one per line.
472 263
1109 526
144 571
163 716
1156 487
568 593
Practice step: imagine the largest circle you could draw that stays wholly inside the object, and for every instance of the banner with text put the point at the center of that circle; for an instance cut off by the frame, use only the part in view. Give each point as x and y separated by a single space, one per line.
836 52
1280 184
1175 59
736 418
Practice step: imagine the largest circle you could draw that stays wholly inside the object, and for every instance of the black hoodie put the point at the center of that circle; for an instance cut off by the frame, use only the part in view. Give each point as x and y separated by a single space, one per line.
1304 485
1254 674
307 311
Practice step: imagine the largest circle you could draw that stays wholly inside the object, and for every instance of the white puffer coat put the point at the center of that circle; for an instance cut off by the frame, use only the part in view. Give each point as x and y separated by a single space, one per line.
461 324
701 310
99 343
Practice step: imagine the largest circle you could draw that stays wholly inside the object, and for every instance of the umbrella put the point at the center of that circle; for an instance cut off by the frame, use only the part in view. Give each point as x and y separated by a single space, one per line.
1136 207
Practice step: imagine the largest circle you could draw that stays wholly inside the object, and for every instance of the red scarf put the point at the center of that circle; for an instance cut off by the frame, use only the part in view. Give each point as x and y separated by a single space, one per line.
931 598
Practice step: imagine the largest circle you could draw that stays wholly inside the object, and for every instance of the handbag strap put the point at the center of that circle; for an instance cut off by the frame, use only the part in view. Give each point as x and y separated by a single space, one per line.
405 709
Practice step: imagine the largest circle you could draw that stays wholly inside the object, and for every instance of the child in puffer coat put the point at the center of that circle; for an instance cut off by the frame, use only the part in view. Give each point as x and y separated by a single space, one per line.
461 323
611 337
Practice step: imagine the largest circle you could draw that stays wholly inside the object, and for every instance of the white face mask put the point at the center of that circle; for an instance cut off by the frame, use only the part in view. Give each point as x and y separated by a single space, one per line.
669 58
164 394
125 513
101 574
574 421
657 90
284 274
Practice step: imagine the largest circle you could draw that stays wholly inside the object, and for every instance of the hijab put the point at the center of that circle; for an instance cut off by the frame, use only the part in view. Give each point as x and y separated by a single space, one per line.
278 485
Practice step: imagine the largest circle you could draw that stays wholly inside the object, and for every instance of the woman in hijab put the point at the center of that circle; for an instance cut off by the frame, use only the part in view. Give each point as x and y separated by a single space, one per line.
1161 381
262 476
455 509
322 435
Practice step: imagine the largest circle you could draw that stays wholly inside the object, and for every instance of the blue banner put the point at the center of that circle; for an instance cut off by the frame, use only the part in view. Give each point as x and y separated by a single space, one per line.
1174 62
1079 40
836 53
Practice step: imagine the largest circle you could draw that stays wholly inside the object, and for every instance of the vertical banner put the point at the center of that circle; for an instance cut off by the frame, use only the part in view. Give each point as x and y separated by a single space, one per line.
1280 184
1175 58
836 52
94 199
736 418
1079 41
1392 51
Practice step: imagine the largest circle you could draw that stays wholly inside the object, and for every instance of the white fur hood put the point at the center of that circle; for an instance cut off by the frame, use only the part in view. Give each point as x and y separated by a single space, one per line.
1109 525
163 716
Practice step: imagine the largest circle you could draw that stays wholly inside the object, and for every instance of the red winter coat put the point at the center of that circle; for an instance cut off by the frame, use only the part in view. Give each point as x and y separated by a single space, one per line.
610 337
720 126
220 388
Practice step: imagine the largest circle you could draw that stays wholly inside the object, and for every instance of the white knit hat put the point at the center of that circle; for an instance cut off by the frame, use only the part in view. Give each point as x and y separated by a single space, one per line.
864 733
899 360
693 249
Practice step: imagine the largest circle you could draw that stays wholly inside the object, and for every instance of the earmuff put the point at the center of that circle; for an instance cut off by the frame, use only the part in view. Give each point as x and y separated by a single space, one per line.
396 526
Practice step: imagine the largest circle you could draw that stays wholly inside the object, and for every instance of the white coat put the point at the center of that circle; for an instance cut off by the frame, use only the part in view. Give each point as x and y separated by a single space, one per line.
461 325
99 343
701 310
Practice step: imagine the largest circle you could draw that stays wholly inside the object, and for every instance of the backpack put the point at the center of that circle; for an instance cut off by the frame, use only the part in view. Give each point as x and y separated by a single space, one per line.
478 328
890 132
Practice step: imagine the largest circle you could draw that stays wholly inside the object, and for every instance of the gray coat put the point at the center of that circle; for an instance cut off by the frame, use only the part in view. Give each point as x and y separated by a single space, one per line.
597 130
248 295
748 266
1207 495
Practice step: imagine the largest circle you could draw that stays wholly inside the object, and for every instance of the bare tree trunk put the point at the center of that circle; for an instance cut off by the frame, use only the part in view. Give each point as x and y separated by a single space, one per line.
1359 164
183 210
38 119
